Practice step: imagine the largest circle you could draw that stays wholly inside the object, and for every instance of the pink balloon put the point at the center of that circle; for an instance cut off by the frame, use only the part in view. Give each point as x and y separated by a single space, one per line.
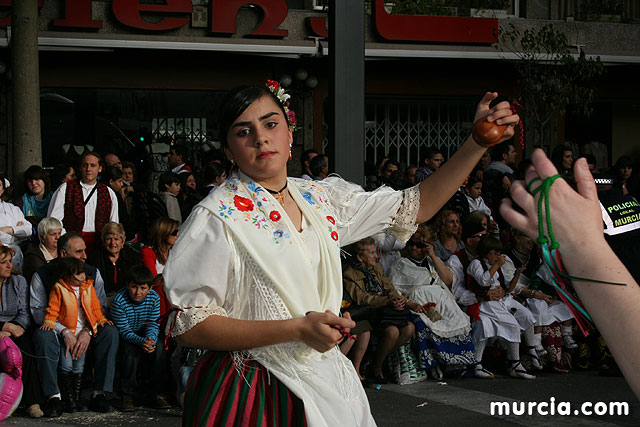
10 358
11 379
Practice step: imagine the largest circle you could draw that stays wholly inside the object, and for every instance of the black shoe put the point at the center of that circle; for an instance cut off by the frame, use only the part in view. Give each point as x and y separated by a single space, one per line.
100 403
53 408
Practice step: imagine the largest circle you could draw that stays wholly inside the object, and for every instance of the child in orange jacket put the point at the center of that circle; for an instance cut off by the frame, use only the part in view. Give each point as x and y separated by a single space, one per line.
73 303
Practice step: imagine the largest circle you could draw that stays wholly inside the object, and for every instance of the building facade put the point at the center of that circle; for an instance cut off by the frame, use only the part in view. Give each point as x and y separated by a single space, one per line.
118 75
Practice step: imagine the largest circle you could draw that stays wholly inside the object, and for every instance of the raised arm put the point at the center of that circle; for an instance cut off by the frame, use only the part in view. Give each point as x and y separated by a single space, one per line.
438 189
586 254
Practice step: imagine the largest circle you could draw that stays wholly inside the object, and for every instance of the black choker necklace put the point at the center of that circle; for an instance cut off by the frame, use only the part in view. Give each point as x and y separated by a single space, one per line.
278 194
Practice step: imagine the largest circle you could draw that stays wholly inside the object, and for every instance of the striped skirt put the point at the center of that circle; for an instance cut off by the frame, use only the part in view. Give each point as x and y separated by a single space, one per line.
218 396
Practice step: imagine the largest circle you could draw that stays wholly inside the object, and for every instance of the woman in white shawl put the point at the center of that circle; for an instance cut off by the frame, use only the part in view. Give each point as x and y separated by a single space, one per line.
442 334
255 275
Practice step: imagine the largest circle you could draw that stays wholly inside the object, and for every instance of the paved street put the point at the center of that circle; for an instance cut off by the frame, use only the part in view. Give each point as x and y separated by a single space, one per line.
457 402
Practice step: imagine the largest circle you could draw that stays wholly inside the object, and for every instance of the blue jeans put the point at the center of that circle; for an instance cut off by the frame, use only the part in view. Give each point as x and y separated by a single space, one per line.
105 351
67 365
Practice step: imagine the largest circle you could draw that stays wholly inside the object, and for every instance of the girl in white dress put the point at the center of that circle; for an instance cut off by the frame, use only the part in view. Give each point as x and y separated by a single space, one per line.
505 318
255 275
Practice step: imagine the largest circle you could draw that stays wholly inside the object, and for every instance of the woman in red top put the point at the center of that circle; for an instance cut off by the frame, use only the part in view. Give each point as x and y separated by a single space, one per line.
162 236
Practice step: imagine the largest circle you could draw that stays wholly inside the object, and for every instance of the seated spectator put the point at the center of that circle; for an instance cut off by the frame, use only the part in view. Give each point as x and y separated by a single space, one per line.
431 162
14 323
459 262
305 158
448 230
500 314
177 159
189 195
411 175
478 171
623 170
111 159
128 173
388 249
113 177
481 218
164 233
63 172
14 228
473 191
74 305
214 175
85 206
113 258
366 284
374 180
45 249
46 343
168 189
562 158
541 299
34 202
388 169
135 311
499 174
319 167
443 332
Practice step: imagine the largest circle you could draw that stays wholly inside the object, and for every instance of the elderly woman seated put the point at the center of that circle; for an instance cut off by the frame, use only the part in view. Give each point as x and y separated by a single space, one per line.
113 259
366 284
443 332
45 249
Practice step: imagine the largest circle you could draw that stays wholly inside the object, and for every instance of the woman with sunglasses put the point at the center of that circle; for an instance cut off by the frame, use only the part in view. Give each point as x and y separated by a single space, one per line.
443 332
162 236
256 277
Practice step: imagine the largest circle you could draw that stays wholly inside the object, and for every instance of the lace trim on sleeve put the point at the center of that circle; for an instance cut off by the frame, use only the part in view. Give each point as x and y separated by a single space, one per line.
404 222
188 317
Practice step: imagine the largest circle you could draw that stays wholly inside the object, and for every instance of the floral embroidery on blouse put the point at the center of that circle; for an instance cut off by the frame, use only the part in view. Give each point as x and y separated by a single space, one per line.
250 205
242 203
307 196
275 216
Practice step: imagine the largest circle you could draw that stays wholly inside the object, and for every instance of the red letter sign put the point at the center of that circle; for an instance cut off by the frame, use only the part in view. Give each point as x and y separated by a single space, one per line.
434 28
77 15
129 12
318 26
224 14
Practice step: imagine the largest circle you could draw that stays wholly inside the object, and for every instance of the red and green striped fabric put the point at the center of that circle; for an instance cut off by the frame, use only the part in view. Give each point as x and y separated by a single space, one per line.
218 396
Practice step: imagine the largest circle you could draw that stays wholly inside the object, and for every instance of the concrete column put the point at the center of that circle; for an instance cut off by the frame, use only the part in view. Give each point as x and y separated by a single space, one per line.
27 149
346 87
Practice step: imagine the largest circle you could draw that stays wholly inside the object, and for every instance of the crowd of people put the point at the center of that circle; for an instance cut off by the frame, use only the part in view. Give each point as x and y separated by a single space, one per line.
84 250
467 281
82 255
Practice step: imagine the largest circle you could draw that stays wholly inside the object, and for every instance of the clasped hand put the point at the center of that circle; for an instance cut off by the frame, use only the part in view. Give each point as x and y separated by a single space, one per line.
323 331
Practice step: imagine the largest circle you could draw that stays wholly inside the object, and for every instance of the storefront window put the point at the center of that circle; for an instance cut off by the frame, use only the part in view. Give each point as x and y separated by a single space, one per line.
123 121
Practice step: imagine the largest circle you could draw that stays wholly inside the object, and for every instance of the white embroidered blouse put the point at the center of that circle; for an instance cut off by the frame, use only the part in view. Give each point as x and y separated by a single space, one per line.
239 255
